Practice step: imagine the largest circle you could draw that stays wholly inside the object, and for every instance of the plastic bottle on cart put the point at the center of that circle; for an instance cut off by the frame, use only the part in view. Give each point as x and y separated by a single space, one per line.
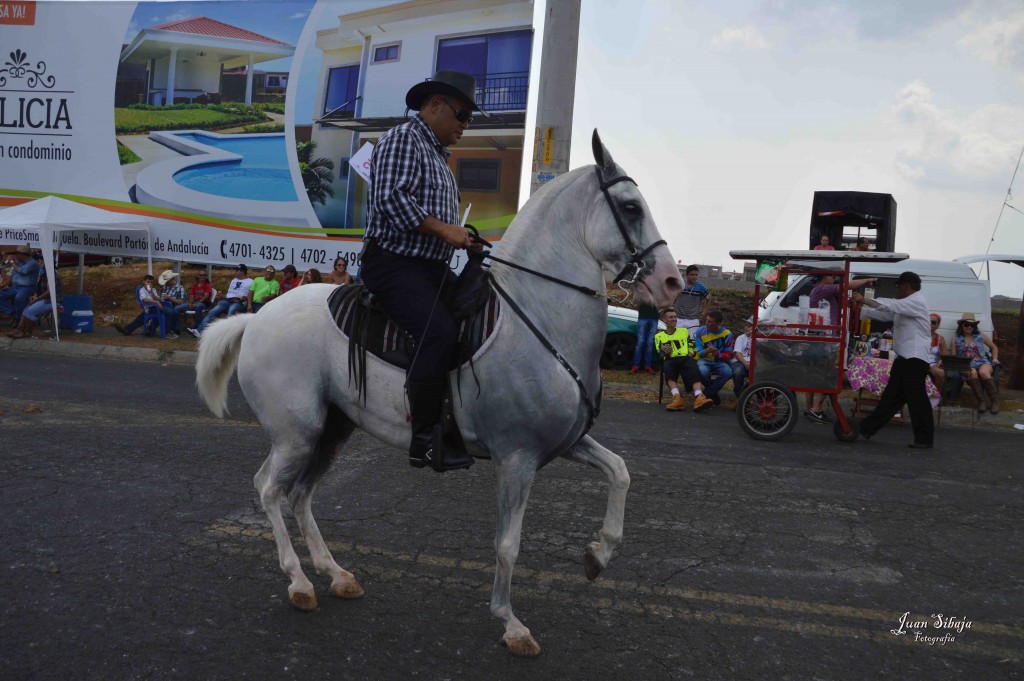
886 344
824 315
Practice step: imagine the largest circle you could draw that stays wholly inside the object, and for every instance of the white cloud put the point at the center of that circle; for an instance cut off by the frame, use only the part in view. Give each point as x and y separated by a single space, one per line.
299 15
745 37
942 145
998 40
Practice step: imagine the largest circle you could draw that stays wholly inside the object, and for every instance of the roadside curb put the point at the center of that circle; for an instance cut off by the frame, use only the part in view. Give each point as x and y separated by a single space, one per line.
115 352
951 417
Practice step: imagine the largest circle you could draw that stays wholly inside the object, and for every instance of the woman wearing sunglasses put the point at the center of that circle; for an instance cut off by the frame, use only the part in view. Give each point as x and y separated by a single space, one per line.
972 343
938 348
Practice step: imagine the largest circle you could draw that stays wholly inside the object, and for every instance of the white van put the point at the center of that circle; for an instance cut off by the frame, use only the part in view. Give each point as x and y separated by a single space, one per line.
951 289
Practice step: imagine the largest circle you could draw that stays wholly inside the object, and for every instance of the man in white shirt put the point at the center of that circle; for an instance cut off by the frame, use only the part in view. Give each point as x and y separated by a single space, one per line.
235 300
912 337
741 357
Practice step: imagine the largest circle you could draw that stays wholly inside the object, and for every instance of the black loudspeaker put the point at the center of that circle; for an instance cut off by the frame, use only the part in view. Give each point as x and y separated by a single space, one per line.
874 214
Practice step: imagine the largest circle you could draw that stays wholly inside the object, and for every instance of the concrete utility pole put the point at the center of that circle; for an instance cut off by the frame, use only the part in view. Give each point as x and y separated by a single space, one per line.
557 92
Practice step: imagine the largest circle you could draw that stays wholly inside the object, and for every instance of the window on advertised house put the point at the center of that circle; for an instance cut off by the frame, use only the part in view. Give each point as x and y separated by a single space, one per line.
500 62
385 53
275 81
342 84
479 174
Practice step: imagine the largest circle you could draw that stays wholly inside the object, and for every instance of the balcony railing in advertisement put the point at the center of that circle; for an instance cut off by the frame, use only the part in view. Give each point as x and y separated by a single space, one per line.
502 91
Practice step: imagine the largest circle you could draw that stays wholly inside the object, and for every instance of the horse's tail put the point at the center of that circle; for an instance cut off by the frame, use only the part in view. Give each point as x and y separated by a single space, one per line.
218 355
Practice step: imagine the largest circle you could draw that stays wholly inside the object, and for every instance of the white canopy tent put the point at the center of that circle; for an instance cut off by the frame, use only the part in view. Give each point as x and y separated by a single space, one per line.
48 216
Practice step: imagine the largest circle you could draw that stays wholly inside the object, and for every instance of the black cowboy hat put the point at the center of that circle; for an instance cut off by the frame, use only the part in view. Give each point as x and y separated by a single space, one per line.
452 83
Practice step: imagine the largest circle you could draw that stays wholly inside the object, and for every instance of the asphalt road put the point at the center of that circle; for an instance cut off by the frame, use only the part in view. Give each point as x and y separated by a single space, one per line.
134 548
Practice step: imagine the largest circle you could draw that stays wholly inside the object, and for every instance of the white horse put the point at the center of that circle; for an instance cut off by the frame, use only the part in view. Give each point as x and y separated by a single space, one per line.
583 227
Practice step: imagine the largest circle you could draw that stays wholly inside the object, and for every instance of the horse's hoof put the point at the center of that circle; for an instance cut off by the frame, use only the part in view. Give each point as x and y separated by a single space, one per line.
522 646
591 566
306 602
347 589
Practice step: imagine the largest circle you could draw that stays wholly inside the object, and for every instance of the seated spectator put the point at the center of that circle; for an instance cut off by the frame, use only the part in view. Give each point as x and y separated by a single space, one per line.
199 298
38 305
312 277
740 363
984 354
172 294
824 245
339 274
149 299
235 300
24 280
714 352
264 289
674 345
290 280
935 352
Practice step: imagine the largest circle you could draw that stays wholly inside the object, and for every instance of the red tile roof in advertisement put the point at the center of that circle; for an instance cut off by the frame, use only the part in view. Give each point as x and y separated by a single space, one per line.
212 27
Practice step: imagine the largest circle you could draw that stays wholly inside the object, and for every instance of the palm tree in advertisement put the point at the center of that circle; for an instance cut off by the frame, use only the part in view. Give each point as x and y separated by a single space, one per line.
317 173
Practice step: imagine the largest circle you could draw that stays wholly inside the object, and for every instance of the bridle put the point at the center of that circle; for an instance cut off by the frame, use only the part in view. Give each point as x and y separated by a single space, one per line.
626 279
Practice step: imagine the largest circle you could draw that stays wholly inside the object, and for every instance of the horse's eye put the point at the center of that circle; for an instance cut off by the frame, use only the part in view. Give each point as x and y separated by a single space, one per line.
632 207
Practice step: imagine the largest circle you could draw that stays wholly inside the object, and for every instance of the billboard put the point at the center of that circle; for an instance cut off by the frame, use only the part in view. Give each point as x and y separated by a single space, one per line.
231 126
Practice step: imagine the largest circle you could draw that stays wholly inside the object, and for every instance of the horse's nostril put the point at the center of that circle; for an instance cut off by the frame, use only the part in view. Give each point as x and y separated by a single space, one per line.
674 283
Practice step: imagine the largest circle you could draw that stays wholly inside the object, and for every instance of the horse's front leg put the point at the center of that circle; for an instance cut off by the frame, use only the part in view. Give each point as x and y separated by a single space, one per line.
515 477
591 453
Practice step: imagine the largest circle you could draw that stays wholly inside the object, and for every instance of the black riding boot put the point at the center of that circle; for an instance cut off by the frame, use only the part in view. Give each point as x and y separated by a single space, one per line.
427 447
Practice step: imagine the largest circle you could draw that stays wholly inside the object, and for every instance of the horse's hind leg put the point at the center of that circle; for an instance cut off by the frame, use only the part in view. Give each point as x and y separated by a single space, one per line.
515 477
338 429
591 453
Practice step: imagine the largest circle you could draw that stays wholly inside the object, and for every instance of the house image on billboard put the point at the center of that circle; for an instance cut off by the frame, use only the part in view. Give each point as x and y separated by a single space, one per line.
186 60
372 58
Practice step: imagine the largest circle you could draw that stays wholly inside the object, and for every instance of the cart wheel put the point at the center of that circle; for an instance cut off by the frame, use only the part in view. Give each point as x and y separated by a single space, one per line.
854 433
767 410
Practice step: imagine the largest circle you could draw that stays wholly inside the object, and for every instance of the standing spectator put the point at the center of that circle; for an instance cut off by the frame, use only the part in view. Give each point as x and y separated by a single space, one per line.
674 345
199 298
38 305
646 327
828 290
235 300
339 275
863 245
714 352
911 333
290 280
172 295
984 354
691 305
264 289
149 299
740 363
24 280
824 245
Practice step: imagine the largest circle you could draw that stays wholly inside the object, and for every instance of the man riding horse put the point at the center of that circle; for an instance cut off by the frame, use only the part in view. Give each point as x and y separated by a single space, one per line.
412 232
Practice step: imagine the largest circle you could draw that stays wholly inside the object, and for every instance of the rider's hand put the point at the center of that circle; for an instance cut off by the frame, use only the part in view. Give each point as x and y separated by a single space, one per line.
856 297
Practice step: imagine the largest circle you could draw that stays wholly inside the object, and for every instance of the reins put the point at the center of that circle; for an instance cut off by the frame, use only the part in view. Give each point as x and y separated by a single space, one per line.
636 263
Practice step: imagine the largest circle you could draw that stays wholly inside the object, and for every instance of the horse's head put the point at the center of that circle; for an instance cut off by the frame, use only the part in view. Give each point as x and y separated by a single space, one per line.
622 234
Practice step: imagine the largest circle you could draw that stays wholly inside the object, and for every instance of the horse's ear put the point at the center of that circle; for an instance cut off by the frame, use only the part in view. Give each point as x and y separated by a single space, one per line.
601 156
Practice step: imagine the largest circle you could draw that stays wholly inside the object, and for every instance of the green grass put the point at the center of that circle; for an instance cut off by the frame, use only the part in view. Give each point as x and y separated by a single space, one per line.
126 155
128 121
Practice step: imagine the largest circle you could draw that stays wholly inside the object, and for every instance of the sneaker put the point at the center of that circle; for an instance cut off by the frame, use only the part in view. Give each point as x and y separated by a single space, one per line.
122 330
807 412
649 370
702 403
717 400
818 417
635 369
194 332
172 336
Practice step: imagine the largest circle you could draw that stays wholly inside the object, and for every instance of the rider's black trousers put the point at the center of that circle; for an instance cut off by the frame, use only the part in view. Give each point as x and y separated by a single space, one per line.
408 288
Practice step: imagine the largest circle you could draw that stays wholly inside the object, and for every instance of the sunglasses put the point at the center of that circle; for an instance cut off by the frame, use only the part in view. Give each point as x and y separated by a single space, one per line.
461 115
971 324
935 323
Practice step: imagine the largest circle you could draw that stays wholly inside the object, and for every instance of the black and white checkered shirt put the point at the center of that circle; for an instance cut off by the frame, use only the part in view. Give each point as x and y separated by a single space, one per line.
410 180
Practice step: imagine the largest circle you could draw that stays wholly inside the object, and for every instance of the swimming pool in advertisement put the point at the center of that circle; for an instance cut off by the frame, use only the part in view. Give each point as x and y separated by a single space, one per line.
261 174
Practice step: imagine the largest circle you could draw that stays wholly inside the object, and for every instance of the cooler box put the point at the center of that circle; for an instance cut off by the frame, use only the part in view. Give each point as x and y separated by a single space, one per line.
77 314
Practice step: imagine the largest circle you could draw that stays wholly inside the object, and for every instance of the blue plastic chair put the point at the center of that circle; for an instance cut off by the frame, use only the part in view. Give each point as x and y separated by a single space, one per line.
151 314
